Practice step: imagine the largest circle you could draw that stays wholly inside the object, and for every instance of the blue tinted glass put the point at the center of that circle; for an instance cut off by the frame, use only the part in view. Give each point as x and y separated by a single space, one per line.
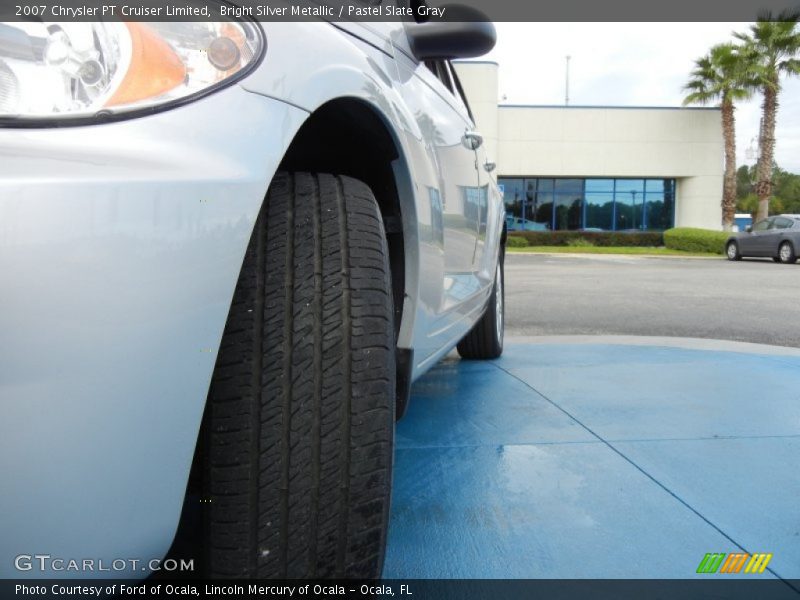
545 185
669 190
569 186
655 211
513 195
512 188
569 211
530 191
654 185
599 185
628 210
660 206
529 210
542 213
599 210
626 186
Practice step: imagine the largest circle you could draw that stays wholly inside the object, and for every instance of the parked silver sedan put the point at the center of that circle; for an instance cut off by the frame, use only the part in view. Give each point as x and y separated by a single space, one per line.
776 237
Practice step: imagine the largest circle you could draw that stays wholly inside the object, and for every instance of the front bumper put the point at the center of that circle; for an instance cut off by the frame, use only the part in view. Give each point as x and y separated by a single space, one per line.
120 246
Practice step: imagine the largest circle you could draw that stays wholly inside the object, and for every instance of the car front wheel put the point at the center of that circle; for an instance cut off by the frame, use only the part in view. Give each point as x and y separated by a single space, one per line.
299 424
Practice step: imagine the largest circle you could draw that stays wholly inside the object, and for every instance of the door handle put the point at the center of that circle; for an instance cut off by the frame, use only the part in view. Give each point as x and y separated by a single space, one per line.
472 140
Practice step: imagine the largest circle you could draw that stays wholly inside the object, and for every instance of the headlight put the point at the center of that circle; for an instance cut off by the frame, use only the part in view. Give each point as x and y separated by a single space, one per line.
68 70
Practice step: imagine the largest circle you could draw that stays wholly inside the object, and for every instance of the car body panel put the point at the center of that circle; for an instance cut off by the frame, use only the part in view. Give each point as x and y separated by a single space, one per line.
120 247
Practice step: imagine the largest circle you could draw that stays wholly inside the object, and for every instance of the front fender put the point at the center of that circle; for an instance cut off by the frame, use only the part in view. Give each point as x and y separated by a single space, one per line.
120 247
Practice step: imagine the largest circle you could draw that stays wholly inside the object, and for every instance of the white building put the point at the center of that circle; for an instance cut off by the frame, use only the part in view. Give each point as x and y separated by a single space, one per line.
609 168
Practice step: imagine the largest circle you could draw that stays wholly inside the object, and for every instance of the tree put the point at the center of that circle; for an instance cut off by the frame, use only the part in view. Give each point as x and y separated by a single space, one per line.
773 50
786 189
744 180
722 76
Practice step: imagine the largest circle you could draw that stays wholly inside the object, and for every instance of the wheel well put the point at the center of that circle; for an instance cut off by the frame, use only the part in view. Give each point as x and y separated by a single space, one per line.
346 136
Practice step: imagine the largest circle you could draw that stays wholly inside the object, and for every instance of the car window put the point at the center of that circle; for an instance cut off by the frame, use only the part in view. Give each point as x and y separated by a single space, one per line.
762 225
783 223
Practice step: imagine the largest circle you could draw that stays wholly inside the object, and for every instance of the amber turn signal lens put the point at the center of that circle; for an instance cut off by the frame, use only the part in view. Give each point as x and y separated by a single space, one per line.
154 69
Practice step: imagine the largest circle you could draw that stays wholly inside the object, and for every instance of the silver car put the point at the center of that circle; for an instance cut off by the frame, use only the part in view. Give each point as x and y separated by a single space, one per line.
775 237
228 249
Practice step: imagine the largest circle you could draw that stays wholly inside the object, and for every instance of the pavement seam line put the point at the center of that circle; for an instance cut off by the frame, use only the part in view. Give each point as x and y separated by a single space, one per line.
640 469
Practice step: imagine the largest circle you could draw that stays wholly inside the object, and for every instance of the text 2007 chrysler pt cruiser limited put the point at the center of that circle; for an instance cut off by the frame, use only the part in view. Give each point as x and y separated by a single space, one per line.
226 251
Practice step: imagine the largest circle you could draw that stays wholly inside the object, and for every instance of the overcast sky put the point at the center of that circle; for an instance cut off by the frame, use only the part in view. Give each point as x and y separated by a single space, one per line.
628 64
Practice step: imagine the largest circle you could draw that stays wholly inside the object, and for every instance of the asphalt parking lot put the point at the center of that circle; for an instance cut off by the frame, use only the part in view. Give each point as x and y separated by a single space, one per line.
605 443
751 301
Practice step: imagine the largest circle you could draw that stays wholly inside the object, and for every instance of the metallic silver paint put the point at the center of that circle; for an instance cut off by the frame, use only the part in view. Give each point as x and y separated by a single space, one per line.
120 246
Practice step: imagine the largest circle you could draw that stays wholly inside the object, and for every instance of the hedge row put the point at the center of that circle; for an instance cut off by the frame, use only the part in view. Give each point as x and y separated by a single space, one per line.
589 238
696 240
515 241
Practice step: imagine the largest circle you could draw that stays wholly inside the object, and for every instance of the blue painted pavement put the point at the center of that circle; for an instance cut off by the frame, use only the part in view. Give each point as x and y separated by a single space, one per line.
598 460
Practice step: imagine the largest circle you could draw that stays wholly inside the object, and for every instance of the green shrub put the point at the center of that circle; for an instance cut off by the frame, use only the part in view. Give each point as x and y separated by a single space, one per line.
690 239
514 241
594 238
580 242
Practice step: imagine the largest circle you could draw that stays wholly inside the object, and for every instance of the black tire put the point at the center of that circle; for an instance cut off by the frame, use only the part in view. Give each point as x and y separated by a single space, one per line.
300 415
485 339
732 251
786 253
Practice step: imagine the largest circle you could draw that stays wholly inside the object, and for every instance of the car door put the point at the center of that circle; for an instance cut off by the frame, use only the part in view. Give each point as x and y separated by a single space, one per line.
428 91
489 209
768 240
793 234
779 231
441 131
755 243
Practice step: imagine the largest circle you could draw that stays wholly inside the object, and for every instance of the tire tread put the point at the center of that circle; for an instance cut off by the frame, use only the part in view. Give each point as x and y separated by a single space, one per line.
300 416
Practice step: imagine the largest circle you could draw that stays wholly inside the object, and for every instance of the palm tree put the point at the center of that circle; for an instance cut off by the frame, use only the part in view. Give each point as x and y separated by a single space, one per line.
722 76
773 47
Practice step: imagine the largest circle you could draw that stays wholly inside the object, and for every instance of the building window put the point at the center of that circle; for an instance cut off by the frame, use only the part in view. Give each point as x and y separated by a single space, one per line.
553 204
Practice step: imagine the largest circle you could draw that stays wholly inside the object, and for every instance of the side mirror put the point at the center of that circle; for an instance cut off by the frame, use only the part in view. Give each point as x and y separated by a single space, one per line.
749 229
462 32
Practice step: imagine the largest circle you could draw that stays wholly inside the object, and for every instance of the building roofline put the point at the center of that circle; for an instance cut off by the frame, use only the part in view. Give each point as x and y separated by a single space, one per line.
605 106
